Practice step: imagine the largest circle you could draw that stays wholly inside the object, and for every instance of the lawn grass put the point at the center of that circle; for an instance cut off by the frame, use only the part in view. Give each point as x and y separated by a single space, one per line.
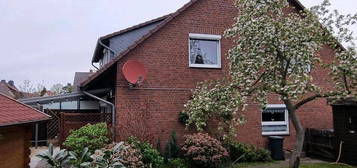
283 165
255 164
326 165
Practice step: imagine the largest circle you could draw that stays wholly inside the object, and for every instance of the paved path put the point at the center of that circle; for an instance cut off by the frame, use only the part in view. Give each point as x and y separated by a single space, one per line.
35 161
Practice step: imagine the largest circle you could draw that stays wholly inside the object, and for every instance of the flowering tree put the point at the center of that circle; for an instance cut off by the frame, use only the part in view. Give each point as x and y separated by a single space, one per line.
276 50
215 100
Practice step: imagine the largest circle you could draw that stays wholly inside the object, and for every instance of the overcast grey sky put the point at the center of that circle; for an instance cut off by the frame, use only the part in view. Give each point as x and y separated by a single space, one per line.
49 40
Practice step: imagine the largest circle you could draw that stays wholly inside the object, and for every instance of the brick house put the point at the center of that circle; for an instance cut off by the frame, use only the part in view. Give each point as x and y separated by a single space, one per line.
16 120
178 51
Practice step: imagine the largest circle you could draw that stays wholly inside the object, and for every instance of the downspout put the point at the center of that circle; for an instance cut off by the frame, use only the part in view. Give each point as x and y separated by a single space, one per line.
102 44
108 103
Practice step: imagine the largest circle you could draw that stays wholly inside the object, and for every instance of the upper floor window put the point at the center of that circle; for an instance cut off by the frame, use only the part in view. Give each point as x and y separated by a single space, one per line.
205 51
275 120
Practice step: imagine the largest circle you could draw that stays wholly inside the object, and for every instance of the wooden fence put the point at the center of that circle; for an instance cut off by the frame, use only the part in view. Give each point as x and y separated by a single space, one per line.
320 144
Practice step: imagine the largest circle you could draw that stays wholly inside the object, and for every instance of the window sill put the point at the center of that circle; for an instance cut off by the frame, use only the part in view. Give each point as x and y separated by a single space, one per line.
275 134
204 67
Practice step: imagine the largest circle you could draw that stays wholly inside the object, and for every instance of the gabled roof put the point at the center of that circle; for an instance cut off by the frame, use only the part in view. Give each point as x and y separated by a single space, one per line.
13 112
166 20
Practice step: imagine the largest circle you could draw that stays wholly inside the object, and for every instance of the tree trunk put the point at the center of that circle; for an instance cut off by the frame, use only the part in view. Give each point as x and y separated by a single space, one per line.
295 157
300 135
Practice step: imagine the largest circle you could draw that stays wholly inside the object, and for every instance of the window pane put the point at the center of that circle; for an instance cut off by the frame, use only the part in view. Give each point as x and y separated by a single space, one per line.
273 114
275 128
204 51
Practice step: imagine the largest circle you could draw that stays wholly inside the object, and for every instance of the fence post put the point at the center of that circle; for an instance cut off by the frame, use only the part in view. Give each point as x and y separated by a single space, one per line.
36 135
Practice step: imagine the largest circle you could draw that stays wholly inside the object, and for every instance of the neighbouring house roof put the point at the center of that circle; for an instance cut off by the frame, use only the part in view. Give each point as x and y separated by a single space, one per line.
10 90
13 112
79 77
145 35
5 89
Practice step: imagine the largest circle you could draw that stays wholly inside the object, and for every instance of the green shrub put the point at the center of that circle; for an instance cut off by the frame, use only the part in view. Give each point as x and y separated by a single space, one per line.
91 136
172 149
151 157
204 151
239 152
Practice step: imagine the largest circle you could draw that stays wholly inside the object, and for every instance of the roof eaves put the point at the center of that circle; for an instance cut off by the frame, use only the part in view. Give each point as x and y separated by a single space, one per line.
25 122
167 20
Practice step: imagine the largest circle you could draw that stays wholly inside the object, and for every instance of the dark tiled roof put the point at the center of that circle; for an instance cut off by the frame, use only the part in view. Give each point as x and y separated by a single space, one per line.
13 112
79 77
166 20
119 41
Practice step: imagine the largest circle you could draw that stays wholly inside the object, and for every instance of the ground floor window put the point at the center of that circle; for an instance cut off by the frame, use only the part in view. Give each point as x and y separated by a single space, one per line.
275 120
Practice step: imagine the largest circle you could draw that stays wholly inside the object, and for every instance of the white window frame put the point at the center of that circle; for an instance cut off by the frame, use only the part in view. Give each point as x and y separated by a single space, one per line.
205 37
286 122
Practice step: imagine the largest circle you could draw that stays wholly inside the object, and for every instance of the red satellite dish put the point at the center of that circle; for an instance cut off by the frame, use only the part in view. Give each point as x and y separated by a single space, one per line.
134 72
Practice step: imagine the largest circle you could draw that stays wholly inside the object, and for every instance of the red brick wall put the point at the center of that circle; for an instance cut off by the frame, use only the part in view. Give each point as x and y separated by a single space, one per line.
14 146
153 114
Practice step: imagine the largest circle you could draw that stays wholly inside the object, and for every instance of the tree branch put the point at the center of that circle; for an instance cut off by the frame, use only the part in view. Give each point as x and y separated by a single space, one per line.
260 77
346 82
284 68
304 101
313 97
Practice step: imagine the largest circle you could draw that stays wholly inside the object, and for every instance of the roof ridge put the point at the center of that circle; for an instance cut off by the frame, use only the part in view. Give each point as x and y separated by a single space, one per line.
23 104
134 45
